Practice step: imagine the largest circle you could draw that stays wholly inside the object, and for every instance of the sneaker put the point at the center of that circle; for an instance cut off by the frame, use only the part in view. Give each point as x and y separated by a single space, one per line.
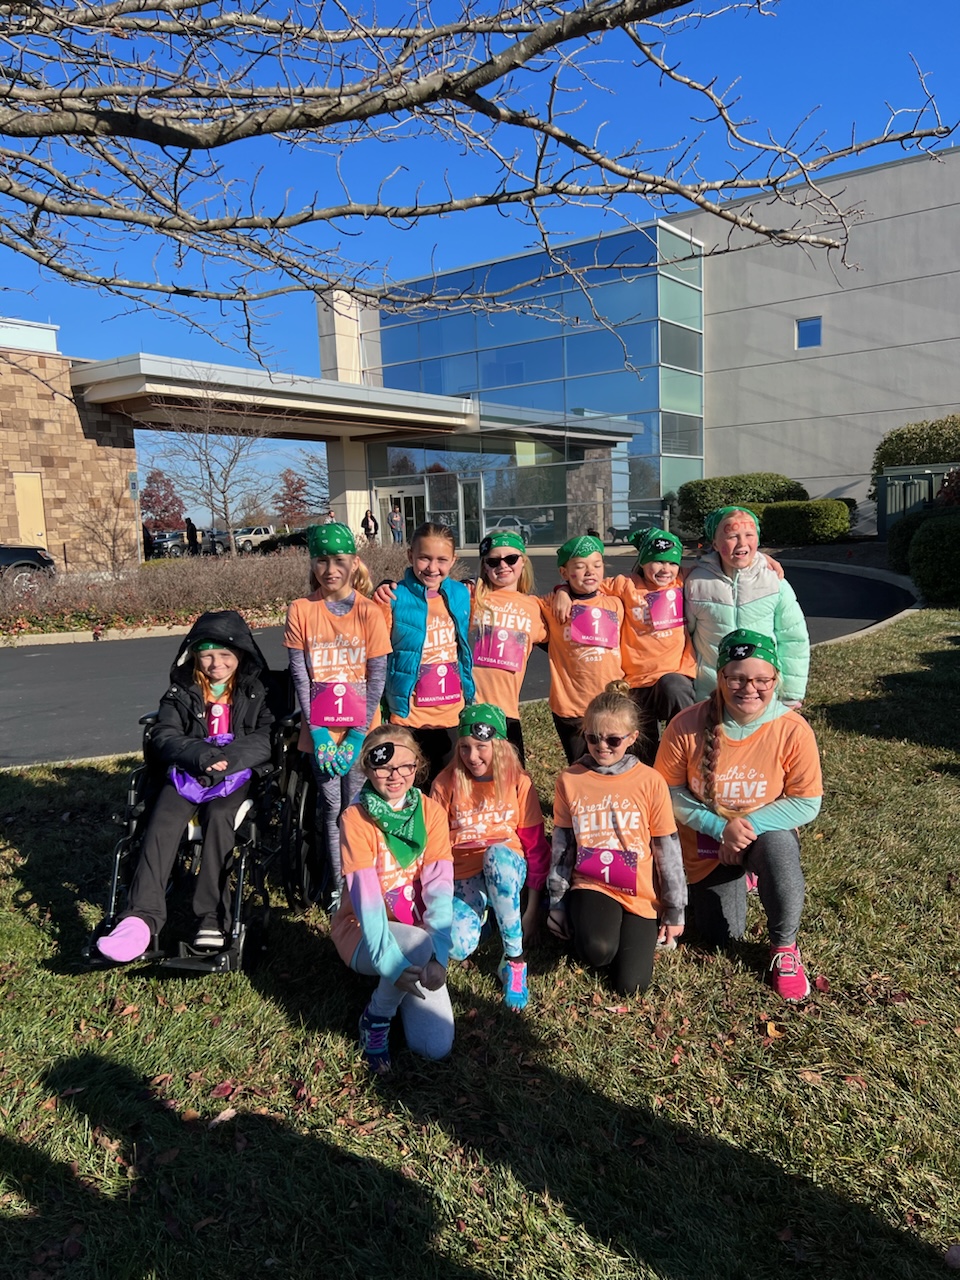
513 975
209 940
126 941
787 975
374 1042
751 881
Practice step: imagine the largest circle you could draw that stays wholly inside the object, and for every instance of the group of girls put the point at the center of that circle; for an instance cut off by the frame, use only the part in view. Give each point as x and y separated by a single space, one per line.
430 820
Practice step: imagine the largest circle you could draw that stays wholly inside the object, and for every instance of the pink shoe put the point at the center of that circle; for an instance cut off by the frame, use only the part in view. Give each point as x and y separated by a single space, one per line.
751 881
787 975
126 941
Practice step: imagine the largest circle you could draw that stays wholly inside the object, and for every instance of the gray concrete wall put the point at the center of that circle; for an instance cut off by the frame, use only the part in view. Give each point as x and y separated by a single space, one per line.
890 350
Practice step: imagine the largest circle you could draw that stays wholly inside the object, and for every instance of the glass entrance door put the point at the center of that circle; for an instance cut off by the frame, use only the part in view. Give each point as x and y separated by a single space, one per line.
412 503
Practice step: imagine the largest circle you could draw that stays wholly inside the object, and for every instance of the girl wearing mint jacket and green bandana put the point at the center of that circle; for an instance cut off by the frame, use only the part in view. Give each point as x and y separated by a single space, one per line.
734 587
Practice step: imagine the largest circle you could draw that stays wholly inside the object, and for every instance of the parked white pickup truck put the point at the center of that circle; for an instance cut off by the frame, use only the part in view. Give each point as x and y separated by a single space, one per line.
252 535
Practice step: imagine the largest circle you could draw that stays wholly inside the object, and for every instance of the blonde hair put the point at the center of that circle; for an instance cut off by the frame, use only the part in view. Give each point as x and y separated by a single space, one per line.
431 530
615 703
506 771
402 737
524 582
360 581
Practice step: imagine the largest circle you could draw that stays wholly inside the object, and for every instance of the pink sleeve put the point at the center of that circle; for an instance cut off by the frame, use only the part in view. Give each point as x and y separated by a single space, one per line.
537 853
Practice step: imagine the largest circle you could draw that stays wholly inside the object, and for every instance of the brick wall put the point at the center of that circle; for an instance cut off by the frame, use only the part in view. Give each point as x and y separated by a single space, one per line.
82 455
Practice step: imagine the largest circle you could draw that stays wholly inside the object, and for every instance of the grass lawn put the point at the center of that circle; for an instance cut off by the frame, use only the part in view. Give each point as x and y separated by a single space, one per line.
158 1126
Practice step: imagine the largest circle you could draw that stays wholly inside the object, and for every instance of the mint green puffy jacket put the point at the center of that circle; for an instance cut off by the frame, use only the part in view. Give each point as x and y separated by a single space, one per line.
716 604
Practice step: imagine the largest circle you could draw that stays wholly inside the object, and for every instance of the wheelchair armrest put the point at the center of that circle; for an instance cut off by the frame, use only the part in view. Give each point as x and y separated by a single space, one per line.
150 718
291 721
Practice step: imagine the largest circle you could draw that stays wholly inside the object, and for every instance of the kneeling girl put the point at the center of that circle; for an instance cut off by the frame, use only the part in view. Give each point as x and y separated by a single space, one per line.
616 864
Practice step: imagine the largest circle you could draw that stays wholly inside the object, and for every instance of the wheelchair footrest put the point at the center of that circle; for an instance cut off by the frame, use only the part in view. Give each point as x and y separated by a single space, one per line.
195 961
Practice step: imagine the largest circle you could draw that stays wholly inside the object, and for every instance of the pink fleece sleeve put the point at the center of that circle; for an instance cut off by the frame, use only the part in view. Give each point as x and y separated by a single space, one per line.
537 853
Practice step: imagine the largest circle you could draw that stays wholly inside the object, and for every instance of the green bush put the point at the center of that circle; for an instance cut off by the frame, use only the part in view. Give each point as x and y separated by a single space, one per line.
933 565
899 537
918 444
801 523
697 498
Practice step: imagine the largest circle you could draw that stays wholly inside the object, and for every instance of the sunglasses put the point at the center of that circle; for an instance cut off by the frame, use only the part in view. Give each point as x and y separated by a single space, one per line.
612 740
495 563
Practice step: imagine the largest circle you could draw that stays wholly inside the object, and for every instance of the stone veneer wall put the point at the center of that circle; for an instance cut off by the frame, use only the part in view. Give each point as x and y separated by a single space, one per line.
590 491
83 456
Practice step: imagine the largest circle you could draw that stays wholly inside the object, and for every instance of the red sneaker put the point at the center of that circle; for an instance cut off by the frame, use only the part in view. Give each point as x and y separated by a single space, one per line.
787 975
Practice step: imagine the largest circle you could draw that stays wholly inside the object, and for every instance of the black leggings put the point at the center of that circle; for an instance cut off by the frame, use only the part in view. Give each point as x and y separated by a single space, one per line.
438 746
515 735
570 732
605 935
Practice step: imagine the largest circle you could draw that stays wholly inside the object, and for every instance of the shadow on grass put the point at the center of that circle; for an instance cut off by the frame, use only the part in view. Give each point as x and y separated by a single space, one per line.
245 1197
920 706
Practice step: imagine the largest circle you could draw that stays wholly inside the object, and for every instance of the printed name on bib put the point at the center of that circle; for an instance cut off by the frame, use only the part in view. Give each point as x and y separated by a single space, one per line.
438 685
589 624
666 609
500 647
337 703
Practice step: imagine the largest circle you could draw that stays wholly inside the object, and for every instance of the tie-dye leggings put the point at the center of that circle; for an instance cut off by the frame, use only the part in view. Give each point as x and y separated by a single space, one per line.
498 886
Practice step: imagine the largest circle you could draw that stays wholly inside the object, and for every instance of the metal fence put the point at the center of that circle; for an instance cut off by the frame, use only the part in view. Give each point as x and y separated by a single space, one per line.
903 490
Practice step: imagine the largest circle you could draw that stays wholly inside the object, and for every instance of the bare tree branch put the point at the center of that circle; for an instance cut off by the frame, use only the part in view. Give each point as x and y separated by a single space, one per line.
146 145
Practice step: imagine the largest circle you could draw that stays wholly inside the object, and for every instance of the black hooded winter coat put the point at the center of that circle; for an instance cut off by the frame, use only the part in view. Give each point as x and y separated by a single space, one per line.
178 737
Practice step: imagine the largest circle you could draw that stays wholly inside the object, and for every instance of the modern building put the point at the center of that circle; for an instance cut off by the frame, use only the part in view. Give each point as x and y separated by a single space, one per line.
589 383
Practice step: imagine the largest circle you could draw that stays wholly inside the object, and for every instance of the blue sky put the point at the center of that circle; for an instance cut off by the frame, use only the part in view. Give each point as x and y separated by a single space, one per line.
844 61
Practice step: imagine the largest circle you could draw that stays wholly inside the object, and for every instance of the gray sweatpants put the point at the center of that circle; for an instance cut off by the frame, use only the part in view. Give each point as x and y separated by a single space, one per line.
717 905
427 1023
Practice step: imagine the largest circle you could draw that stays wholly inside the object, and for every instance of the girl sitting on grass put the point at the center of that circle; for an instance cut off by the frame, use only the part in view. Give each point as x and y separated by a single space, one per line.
616 864
394 920
744 774
499 849
337 644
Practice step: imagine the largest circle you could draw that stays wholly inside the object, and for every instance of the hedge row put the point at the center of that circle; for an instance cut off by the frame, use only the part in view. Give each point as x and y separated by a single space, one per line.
919 444
801 523
934 564
697 498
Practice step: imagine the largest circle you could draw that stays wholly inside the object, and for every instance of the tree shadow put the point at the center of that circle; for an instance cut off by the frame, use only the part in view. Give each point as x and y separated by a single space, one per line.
920 706
224 1201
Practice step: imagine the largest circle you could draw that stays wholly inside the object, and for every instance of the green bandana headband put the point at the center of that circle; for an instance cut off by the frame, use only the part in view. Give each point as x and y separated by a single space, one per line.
330 540
502 538
747 644
578 548
483 722
657 545
202 645
716 518
404 830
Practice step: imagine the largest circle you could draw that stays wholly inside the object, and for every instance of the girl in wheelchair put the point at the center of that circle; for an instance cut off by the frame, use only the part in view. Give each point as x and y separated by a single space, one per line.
211 732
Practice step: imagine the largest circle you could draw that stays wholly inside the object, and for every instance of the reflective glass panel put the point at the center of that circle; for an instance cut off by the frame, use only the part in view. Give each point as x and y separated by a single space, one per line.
602 349
681 392
677 471
402 377
680 304
524 362
496 329
688 265
682 433
809 332
613 393
449 334
617 302
681 347
399 344
451 376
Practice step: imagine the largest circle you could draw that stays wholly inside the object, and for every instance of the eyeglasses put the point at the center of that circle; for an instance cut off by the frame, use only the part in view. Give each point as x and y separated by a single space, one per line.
496 563
403 771
760 683
612 740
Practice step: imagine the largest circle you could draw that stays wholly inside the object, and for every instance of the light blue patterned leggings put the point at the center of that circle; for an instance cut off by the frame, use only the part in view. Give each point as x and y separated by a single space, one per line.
504 874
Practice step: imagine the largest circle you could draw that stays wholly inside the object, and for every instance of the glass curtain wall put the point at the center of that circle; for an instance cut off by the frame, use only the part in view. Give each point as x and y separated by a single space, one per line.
606 343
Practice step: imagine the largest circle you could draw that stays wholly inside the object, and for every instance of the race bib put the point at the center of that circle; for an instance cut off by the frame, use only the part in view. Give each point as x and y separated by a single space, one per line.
405 903
666 609
337 703
438 685
589 624
615 868
707 847
218 720
498 647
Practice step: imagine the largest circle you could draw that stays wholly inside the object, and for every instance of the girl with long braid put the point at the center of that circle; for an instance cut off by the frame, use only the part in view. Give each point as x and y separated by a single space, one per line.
744 774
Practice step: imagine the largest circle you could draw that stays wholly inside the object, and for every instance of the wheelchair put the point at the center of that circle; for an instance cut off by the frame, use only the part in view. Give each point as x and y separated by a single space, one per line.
304 868
257 827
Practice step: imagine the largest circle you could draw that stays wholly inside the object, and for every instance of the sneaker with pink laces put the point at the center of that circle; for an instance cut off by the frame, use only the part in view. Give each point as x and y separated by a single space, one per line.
787 975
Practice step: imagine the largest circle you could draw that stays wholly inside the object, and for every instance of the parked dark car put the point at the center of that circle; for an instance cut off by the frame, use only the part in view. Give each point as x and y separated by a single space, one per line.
23 565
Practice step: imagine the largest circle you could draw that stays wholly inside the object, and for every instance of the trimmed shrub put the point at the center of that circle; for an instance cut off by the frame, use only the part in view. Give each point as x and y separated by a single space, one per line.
934 566
899 537
800 523
697 498
918 444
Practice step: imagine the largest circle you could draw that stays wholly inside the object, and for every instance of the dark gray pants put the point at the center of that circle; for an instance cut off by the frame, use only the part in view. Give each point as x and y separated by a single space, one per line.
717 905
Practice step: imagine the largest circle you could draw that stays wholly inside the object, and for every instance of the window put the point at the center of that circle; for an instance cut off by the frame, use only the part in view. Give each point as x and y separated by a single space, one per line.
809 332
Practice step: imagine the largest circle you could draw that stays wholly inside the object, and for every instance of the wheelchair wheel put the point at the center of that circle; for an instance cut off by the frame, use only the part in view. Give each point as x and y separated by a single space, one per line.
303 866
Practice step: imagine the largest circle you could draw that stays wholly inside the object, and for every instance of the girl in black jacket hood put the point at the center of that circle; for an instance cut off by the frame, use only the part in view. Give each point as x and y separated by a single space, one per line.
212 730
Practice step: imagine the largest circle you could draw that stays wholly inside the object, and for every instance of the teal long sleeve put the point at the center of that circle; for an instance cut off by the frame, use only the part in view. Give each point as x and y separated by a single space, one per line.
780 815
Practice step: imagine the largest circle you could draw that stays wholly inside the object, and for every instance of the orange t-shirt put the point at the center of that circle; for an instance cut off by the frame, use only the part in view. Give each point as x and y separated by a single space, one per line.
502 635
337 650
613 818
480 822
362 845
578 672
439 672
650 650
778 759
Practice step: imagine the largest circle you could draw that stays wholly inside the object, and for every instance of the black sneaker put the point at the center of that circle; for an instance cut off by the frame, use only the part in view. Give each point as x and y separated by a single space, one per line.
374 1042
